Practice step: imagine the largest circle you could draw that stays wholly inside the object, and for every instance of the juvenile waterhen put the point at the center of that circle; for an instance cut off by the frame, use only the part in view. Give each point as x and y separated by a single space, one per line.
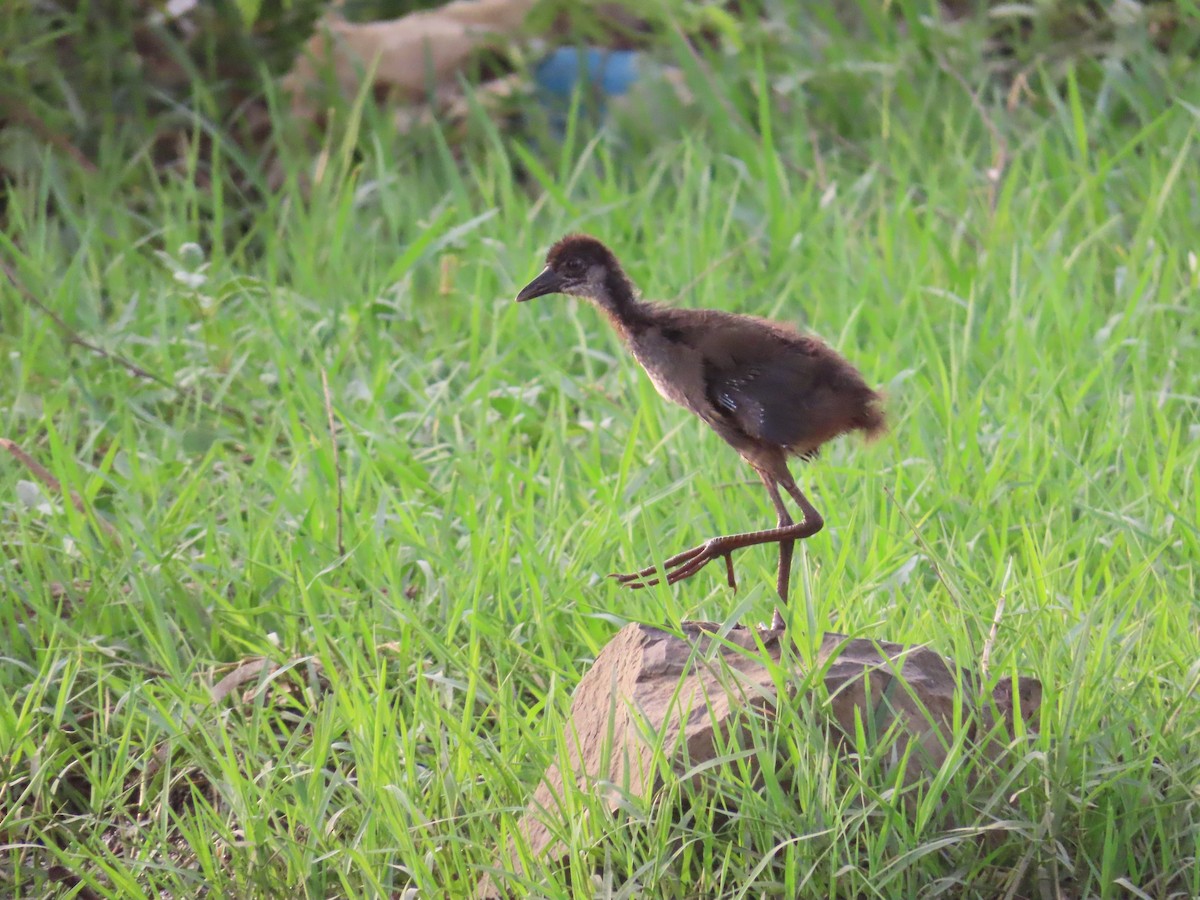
768 390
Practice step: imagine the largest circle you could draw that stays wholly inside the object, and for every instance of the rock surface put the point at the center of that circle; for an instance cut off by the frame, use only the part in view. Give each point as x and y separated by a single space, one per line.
689 688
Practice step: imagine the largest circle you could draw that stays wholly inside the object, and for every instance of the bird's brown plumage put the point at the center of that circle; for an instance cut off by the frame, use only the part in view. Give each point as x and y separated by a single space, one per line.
760 381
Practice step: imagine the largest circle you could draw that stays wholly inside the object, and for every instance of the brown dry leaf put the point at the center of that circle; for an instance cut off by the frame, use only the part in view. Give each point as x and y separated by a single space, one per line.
404 52
247 671
250 671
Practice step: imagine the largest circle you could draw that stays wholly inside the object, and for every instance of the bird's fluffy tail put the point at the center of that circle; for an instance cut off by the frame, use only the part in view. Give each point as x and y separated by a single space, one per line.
872 421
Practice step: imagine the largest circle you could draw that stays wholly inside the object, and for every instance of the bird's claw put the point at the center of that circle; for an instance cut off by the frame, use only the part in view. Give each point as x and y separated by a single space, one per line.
680 566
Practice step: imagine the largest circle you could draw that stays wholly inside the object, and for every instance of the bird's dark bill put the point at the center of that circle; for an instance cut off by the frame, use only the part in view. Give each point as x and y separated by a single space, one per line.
546 283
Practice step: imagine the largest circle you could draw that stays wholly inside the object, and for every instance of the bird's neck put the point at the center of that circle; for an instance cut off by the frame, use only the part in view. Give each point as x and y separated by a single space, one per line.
628 314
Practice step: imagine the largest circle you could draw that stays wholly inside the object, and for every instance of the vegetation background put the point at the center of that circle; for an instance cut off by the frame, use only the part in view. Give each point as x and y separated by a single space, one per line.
303 522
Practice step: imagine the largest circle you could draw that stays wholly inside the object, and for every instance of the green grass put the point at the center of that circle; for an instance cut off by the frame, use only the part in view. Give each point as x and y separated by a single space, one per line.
1038 348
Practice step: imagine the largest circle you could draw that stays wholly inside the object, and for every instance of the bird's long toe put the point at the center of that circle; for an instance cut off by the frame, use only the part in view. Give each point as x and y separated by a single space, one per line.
689 569
699 557
678 567
644 578
635 581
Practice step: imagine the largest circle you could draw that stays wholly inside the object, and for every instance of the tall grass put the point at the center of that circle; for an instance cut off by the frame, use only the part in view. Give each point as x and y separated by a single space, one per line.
1034 329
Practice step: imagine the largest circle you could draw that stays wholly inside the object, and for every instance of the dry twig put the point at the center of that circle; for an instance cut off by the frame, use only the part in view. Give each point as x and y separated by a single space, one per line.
42 474
127 364
985 657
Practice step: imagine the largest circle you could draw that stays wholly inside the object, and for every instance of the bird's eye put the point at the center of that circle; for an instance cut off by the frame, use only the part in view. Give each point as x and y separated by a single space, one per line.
573 266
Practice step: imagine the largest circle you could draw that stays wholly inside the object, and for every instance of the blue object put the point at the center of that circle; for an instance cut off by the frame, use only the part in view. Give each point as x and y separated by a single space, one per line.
608 73
612 71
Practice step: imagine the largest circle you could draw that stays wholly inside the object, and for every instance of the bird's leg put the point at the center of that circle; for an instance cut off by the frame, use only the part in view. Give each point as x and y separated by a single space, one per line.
785 553
811 516
689 562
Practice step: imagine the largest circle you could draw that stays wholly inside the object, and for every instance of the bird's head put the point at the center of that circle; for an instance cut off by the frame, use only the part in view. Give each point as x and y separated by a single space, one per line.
581 266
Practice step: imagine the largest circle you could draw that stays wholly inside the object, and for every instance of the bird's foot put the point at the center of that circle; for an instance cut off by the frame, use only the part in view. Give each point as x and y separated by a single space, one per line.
682 565
777 623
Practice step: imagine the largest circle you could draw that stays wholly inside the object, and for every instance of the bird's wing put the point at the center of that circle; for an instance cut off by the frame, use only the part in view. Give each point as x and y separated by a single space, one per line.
762 382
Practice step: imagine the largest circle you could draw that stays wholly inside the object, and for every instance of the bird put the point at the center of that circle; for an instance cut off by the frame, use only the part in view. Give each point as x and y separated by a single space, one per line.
770 391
